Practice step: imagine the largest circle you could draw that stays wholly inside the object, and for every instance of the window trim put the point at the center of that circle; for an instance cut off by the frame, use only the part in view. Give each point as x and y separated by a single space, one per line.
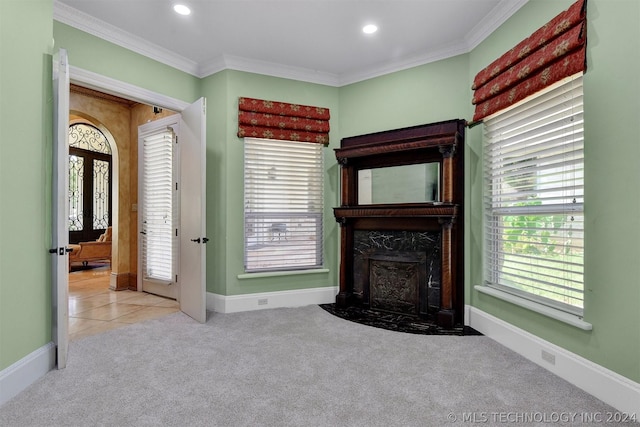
535 306
281 273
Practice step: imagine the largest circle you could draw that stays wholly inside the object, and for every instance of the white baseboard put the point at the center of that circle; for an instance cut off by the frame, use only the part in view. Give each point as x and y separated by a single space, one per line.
26 371
264 300
608 386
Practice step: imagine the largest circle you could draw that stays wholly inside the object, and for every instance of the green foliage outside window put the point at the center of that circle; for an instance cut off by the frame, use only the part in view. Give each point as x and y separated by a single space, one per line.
537 234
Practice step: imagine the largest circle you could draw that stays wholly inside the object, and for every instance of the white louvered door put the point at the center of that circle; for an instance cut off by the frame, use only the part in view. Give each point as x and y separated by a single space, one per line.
158 207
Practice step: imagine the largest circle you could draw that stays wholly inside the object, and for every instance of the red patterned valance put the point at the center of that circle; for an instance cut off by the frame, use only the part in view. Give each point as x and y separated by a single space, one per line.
258 118
555 51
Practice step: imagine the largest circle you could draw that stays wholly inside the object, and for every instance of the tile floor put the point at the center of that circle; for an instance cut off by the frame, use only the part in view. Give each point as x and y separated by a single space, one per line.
93 308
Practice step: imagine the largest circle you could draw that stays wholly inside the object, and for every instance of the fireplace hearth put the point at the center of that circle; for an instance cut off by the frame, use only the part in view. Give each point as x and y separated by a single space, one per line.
395 322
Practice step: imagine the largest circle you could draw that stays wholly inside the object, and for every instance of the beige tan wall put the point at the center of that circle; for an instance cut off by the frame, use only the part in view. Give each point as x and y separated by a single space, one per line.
119 120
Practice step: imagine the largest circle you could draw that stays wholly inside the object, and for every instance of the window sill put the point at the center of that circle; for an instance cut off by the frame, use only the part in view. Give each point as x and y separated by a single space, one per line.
553 313
281 273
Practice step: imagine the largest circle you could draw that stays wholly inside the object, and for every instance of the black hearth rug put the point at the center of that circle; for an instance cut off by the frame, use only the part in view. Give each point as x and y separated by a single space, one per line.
395 322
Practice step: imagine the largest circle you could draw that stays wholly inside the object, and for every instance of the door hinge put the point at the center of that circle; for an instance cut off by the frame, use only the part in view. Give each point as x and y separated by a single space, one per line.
176 278
176 232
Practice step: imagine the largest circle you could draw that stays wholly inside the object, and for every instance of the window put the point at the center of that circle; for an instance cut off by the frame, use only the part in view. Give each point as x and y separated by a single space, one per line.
283 204
534 197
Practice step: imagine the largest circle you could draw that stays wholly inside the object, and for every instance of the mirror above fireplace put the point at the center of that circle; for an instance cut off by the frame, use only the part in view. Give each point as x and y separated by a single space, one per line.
416 183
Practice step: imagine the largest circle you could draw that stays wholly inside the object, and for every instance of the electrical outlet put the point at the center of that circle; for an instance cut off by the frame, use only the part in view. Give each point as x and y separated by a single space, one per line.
548 357
263 301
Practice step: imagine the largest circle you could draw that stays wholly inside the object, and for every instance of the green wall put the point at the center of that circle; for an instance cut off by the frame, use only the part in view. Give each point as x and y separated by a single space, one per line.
215 89
612 201
426 94
225 210
25 177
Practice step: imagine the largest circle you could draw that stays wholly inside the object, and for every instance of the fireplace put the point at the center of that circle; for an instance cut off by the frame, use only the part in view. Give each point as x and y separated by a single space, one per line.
397 271
401 234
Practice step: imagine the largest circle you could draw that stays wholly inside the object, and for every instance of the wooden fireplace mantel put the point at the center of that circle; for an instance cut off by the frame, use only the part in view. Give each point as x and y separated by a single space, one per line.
397 211
432 143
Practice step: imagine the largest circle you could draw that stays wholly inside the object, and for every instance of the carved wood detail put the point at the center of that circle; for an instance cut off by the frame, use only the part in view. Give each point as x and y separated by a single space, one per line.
438 142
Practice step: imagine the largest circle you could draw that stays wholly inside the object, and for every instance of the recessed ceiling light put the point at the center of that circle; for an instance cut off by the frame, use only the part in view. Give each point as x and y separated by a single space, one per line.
182 9
369 29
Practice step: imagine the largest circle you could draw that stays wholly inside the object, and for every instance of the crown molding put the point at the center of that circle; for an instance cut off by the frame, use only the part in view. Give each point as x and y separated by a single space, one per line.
230 62
212 66
404 64
483 29
500 13
89 24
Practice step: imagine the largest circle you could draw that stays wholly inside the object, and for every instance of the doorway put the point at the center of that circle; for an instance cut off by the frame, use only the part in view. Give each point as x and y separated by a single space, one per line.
192 200
104 295
117 119
191 164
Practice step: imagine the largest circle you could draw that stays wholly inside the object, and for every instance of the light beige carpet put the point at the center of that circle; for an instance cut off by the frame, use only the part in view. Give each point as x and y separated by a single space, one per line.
289 367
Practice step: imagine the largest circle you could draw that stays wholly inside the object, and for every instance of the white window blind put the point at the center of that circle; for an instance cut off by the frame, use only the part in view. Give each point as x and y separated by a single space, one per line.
534 197
159 206
283 204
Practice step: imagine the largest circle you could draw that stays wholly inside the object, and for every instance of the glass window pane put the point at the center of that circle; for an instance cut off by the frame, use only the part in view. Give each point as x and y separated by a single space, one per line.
100 194
76 182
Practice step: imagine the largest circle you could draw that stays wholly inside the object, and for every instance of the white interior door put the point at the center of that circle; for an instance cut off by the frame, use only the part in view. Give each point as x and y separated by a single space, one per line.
60 238
173 185
192 269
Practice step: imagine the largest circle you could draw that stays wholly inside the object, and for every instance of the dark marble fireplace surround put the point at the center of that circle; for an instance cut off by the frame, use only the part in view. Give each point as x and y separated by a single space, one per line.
403 260
397 271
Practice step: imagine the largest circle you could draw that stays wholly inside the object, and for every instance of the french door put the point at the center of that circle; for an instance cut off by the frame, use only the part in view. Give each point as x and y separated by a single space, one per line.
90 193
158 206
172 208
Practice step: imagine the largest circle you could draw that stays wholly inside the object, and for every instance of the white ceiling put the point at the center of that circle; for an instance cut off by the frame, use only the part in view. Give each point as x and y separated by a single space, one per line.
318 41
